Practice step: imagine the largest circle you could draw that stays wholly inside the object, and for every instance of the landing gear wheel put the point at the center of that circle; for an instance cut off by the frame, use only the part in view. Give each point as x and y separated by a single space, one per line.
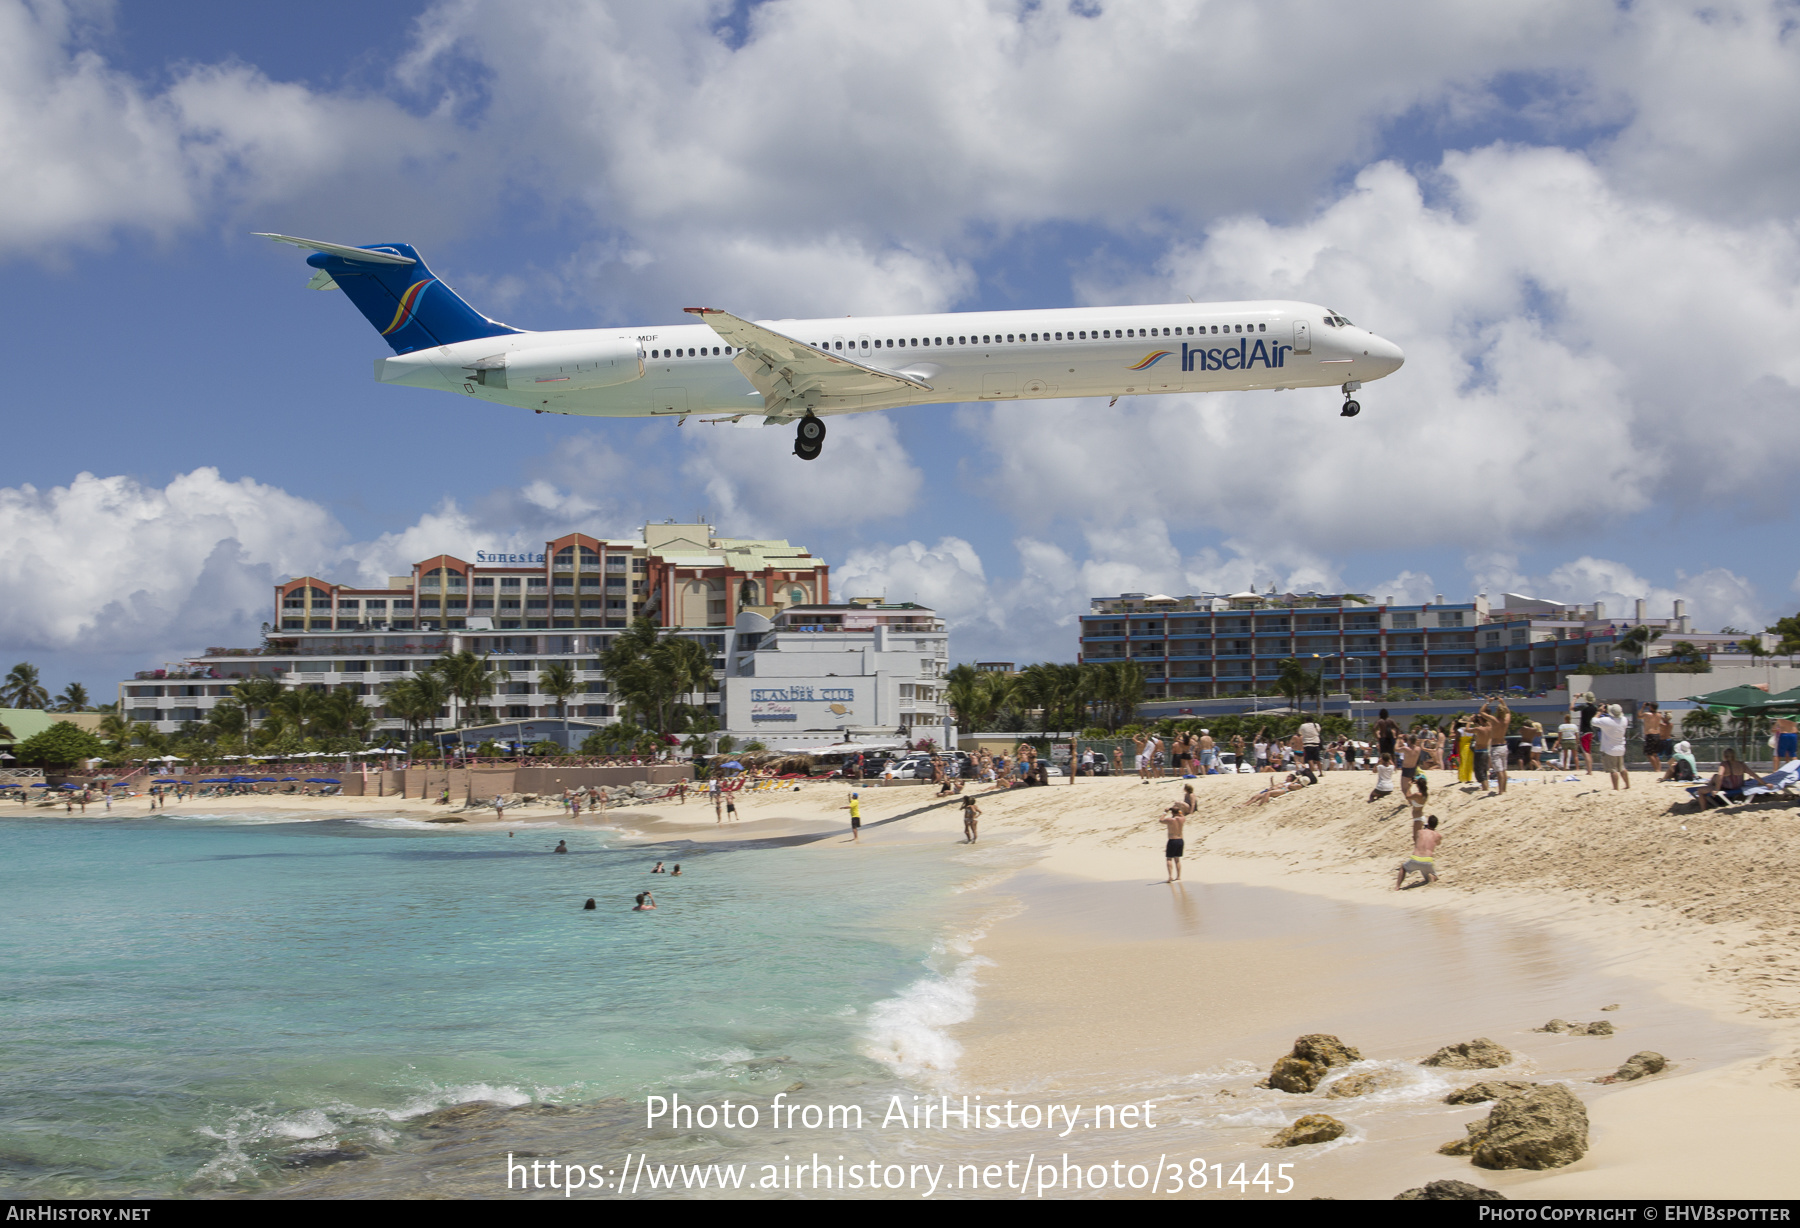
1351 409
810 432
804 452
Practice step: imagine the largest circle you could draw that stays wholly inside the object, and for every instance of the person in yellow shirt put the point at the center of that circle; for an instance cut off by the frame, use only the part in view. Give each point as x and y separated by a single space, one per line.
855 818
1465 754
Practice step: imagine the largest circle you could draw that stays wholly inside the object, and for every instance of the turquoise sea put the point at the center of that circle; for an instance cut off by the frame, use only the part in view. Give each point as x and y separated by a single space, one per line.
244 1004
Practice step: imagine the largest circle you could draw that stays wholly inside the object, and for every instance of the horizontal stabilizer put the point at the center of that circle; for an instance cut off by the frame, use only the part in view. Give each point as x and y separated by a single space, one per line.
339 250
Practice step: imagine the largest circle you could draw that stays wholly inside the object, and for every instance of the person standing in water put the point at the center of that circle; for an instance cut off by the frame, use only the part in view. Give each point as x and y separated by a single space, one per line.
855 818
562 846
971 813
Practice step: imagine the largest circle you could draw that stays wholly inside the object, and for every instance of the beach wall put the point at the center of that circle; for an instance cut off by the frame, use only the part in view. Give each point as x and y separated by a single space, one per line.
483 783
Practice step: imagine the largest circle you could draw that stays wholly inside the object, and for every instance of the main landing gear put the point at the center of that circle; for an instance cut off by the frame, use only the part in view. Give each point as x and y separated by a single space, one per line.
1351 408
809 438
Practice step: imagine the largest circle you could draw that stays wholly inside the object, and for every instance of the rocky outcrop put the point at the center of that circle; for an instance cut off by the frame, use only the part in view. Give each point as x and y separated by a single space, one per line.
1636 1067
1493 1089
1362 1083
1443 1190
1613 1007
1598 1028
1546 1127
1312 1057
1313 1128
1478 1054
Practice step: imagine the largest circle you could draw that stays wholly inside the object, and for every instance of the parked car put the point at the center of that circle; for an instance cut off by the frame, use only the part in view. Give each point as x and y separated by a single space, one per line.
1229 762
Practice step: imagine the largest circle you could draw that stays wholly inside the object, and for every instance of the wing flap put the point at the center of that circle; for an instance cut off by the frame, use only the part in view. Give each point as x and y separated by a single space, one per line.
793 375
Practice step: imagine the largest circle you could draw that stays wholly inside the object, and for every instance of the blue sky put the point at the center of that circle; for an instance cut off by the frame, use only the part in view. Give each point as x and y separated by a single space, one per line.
1579 220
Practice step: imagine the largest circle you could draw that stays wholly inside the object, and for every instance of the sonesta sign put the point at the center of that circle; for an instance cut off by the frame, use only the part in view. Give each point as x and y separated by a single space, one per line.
483 556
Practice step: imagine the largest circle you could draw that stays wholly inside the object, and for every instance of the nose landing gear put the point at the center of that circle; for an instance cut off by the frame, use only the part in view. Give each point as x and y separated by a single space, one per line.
809 438
1351 408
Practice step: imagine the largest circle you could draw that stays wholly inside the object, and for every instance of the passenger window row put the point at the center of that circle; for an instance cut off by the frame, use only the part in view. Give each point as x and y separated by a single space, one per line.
1106 334
701 352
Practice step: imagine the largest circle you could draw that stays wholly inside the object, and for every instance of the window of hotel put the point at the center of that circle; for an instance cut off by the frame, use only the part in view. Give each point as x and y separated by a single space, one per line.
509 582
348 604
535 583
484 582
375 603
565 581
1405 620
1450 618
537 603
484 603
403 603
509 603
640 564
615 562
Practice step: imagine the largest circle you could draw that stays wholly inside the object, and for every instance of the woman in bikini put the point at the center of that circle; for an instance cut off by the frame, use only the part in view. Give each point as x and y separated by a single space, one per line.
1728 780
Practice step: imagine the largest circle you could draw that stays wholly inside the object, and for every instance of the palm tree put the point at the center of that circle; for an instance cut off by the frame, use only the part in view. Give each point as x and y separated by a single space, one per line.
256 694
296 711
22 688
558 681
1685 652
650 671
1701 723
74 698
467 675
116 729
343 714
1297 681
967 695
1636 642
415 699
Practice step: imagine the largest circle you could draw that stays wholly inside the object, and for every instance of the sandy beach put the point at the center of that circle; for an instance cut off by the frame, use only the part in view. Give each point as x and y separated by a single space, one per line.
1557 900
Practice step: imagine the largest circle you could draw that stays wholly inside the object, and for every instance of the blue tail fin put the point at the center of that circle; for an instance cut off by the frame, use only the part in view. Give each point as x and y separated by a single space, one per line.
398 295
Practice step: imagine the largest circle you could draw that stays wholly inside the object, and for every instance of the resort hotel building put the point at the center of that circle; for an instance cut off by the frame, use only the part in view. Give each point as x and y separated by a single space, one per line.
761 608
1209 647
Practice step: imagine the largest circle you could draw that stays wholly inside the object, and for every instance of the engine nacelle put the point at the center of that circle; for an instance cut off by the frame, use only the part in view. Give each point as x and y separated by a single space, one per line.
563 368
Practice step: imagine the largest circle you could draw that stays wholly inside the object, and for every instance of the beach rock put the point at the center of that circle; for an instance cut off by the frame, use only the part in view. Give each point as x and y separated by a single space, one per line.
1598 1028
1555 1025
1313 1128
1313 1055
453 1114
1362 1083
1481 1093
1613 1007
1545 1128
1636 1067
1466 1146
1478 1054
1442 1190
1325 1049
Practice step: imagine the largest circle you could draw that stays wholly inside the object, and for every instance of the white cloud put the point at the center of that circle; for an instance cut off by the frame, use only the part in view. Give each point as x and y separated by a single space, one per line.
1716 597
111 564
1573 355
753 481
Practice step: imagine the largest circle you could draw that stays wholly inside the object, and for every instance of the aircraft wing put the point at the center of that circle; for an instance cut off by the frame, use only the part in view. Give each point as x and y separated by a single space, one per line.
794 376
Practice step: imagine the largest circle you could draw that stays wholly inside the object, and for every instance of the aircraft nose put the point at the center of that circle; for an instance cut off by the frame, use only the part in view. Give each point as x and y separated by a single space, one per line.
1387 356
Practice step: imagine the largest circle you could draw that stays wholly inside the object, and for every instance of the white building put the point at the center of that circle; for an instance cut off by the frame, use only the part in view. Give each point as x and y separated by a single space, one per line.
813 675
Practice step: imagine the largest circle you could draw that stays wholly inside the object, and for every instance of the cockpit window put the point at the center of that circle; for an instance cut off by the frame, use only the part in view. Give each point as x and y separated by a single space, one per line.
1336 320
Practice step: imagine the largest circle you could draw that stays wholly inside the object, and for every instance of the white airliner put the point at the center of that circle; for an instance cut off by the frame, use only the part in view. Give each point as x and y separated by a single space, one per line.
775 372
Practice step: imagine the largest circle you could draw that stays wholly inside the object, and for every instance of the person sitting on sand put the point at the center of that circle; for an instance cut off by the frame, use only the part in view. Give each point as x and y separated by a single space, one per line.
971 813
1681 763
1174 822
562 846
1384 778
1188 801
645 902
1424 853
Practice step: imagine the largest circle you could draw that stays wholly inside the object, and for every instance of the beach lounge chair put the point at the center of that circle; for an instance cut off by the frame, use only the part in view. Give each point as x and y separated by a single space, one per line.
1779 783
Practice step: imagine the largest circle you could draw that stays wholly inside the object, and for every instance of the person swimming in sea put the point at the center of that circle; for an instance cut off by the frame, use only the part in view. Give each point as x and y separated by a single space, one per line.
676 872
645 902
590 906
562 846
659 869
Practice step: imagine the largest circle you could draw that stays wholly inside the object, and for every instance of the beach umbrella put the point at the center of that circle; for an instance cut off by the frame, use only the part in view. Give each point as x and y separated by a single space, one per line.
1784 703
285 779
322 780
40 786
1732 698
